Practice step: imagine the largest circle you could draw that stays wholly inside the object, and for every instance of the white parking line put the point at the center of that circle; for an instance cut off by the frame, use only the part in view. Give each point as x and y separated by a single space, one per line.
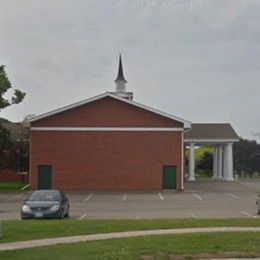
83 216
194 216
88 197
125 196
248 214
233 196
197 196
161 196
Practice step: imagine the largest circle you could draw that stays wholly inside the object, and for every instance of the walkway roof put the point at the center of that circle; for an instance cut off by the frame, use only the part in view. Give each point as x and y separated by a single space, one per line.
211 133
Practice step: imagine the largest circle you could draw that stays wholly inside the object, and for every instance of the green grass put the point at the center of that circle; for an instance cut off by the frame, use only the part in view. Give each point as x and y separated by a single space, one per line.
203 174
11 186
243 244
15 230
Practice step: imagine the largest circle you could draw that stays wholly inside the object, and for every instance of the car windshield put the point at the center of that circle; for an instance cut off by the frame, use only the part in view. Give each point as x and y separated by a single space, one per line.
45 196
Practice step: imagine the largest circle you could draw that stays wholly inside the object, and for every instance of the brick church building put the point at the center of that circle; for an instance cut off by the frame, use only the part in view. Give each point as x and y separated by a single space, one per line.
112 143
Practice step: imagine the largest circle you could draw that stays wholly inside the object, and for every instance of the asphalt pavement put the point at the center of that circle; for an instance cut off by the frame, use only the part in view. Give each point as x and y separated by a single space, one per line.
201 199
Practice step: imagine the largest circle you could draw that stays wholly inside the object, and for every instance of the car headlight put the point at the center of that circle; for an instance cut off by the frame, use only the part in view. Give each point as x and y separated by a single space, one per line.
26 208
55 208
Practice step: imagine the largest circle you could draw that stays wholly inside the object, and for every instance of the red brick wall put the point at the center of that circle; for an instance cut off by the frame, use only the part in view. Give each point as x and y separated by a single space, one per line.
105 160
107 112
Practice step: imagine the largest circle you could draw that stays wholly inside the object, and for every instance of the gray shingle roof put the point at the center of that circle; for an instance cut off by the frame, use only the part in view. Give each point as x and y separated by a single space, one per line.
211 131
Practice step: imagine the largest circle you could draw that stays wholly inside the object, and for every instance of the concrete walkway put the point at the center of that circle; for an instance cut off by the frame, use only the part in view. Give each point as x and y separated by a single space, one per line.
103 236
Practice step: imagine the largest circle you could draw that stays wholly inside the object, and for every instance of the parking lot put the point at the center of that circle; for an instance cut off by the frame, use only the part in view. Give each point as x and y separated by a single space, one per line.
202 199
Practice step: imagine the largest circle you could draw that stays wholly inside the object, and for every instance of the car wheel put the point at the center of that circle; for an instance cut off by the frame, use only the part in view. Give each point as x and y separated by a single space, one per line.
61 214
67 214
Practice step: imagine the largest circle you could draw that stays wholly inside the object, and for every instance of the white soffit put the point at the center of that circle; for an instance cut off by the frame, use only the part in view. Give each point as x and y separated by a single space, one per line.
110 129
210 140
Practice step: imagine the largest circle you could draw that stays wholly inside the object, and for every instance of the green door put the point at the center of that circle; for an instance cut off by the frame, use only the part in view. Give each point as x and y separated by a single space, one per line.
169 177
44 177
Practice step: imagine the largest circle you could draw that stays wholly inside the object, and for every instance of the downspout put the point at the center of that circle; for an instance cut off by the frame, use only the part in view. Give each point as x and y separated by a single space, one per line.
182 157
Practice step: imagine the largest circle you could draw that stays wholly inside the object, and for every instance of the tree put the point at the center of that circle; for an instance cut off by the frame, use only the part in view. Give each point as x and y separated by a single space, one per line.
5 85
206 163
7 144
5 138
247 156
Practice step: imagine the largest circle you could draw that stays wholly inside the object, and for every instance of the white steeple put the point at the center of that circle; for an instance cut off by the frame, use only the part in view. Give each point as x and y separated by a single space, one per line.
121 83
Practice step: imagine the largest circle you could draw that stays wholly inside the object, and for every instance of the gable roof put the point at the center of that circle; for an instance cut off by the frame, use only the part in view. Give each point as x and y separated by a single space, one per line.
186 123
216 131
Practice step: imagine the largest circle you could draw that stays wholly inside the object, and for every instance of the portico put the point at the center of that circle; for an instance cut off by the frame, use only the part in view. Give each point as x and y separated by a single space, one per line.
219 136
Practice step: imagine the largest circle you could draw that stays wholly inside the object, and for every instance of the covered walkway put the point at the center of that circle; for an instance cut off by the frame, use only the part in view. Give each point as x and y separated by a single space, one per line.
221 137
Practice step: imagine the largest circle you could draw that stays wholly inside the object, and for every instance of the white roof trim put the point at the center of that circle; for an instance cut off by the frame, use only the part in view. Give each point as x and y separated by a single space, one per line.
211 140
187 124
109 129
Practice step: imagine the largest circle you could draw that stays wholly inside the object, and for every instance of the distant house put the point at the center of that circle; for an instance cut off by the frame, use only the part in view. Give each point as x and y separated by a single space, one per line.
112 143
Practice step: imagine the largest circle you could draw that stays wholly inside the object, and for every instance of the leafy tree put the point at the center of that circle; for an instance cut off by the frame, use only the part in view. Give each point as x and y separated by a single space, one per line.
7 144
18 159
5 138
14 150
5 85
247 156
206 163
199 152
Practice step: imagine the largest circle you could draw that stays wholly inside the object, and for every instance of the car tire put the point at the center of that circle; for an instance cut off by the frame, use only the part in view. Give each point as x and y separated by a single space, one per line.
68 211
61 214
67 214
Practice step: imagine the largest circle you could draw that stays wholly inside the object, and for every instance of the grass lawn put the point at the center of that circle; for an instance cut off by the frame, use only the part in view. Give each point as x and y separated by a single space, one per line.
11 186
188 246
15 230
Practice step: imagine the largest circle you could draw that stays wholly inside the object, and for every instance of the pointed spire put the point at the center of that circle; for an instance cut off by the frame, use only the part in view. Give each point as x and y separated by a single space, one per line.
120 83
120 75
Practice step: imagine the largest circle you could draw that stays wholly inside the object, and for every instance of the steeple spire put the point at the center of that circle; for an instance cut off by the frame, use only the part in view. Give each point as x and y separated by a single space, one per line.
121 82
120 74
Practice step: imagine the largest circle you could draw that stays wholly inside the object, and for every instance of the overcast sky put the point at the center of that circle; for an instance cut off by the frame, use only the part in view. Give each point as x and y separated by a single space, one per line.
199 60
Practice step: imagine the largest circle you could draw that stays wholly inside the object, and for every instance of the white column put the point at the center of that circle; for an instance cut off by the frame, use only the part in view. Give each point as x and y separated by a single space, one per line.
215 163
191 163
228 162
220 163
